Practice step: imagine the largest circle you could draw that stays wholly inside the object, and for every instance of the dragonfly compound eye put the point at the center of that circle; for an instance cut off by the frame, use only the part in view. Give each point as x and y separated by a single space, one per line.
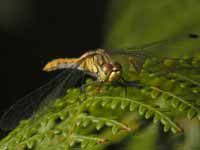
116 66
107 68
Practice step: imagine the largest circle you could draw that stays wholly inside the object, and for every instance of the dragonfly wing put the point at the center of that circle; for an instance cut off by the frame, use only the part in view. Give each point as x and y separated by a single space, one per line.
26 106
177 47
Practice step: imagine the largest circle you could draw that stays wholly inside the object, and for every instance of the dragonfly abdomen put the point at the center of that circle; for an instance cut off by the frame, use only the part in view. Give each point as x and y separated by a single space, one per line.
61 63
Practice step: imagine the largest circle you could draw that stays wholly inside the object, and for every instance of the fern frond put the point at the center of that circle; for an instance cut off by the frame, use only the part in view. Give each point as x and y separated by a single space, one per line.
178 102
187 79
141 107
85 140
100 122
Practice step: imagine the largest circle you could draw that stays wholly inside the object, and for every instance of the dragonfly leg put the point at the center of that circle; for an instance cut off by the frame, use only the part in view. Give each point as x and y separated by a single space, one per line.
82 88
124 83
136 84
83 78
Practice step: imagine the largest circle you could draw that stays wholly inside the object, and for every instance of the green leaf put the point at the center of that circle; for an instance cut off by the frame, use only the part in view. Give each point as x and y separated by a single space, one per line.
78 123
133 106
166 128
30 144
148 114
99 125
142 110
164 97
191 114
156 119
104 103
155 94
175 103
72 143
84 144
85 122
163 121
114 104
182 107
124 104
115 129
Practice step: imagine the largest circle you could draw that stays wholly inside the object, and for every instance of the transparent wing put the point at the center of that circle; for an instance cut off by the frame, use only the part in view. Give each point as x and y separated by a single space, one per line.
25 107
186 45
175 48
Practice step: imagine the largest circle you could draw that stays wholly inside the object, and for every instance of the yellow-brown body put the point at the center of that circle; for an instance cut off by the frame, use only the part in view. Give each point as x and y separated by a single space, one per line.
96 63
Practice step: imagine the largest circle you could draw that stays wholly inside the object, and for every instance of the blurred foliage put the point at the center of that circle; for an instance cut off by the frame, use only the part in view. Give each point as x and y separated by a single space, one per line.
137 22
162 114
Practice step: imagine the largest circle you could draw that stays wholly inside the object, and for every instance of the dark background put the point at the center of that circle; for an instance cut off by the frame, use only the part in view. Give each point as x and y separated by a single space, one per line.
34 32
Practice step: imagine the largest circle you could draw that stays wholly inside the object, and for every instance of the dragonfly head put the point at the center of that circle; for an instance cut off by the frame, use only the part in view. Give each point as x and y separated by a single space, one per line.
110 72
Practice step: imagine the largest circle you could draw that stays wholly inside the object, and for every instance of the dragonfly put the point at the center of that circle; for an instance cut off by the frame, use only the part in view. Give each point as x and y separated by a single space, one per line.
98 64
